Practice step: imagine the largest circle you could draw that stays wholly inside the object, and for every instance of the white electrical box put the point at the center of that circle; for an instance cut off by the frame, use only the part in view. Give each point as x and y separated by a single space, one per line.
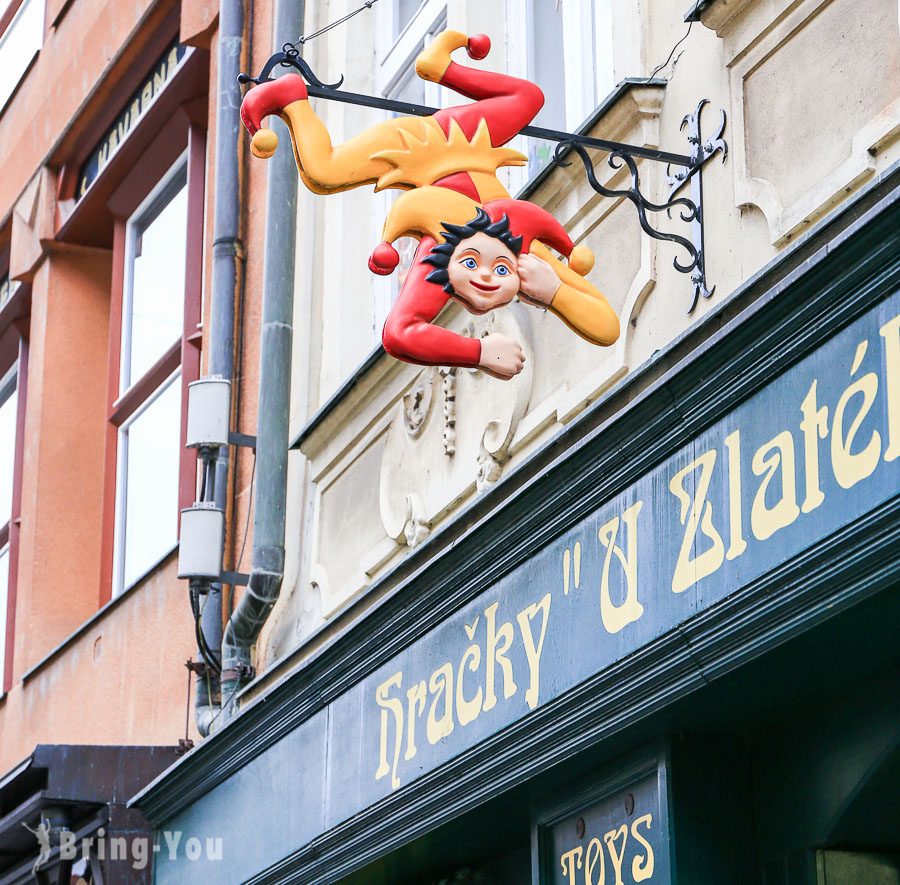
209 412
200 545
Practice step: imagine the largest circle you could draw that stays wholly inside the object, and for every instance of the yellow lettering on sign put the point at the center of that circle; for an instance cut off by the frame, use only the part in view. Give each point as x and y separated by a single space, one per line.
568 863
389 707
146 95
415 705
851 467
498 643
890 332
814 427
617 856
642 865
571 557
736 543
590 861
617 617
533 650
467 710
441 686
696 513
775 456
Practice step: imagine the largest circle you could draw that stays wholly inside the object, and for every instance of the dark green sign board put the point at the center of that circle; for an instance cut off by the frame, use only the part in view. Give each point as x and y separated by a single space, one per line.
813 451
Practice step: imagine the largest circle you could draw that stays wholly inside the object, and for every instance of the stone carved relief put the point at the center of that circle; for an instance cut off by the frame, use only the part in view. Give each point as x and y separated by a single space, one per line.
795 160
461 442
417 403
448 390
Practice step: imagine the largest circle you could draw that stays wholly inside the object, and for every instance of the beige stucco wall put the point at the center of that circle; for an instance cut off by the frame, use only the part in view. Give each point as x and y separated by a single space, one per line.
810 88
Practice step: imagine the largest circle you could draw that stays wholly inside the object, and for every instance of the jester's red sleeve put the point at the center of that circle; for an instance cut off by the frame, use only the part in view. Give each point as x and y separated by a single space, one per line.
408 331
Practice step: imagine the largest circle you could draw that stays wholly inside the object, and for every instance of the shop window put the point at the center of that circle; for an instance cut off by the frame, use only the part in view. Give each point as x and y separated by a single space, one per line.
20 42
148 447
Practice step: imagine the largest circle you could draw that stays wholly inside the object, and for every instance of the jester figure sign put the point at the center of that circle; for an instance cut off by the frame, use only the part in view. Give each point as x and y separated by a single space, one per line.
476 244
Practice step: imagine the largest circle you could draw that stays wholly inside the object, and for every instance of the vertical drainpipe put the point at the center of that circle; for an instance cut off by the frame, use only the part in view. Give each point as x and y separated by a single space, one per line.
228 252
270 498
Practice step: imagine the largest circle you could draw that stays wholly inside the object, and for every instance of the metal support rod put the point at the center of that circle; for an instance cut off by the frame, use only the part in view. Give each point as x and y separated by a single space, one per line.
419 110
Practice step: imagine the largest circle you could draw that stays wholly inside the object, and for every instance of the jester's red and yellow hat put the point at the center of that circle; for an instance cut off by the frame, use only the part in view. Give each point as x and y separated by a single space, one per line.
424 212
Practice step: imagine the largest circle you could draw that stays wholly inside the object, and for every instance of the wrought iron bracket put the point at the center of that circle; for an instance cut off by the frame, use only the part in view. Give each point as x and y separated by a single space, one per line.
688 168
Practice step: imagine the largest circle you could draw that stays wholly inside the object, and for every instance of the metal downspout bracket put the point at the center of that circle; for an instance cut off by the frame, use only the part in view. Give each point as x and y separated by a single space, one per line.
688 167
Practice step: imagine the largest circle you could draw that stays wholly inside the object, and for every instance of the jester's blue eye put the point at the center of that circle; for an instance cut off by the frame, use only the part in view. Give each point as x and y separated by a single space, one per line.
502 271
470 263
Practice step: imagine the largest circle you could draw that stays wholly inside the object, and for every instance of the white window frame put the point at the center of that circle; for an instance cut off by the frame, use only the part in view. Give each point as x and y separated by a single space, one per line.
119 585
10 378
150 202
164 189
27 26
393 65
587 59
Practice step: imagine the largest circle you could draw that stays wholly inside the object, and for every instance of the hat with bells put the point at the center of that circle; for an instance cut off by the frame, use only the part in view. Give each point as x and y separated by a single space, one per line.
425 210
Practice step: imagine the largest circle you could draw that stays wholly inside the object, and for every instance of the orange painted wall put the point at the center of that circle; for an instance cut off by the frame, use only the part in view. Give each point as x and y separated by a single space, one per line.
119 678
82 55
122 681
62 472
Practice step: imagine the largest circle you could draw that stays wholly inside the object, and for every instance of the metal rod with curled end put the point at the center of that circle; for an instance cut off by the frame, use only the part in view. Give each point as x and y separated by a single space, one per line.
288 58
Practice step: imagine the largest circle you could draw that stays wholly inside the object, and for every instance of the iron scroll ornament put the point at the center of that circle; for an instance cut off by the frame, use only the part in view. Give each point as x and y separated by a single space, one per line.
616 160
687 167
691 207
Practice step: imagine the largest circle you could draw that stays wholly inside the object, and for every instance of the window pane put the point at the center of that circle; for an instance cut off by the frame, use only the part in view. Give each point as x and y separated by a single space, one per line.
4 596
546 68
406 9
155 310
150 447
411 88
8 404
19 45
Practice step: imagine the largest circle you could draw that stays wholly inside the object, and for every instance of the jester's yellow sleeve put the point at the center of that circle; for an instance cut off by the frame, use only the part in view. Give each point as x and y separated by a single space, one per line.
579 304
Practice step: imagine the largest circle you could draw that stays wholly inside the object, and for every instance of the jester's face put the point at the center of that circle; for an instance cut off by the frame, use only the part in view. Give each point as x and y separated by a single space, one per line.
483 273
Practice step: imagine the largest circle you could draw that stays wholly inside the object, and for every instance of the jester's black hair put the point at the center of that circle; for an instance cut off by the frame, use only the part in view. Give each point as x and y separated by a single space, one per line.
454 234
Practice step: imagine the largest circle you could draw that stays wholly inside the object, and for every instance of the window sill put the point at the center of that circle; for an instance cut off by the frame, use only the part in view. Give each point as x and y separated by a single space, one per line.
98 615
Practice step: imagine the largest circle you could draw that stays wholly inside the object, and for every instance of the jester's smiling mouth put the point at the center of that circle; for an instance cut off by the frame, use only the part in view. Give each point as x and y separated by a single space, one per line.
483 288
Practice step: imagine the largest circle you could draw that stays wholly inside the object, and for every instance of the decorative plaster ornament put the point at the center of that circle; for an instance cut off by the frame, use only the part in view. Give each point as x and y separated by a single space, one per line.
476 245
